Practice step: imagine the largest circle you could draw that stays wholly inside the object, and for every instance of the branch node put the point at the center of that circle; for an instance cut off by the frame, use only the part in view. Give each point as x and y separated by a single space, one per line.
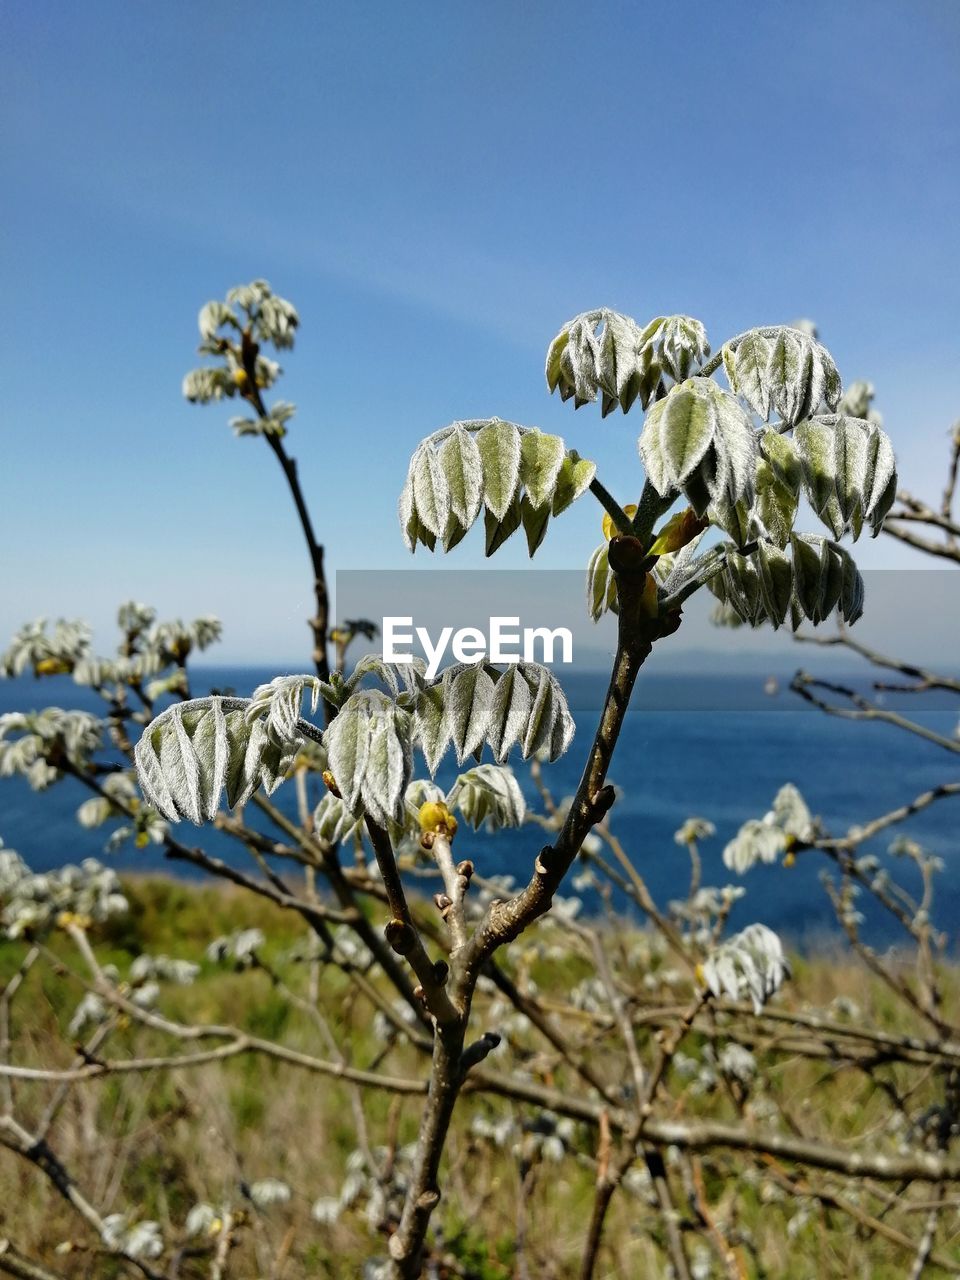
545 860
601 802
476 1052
626 556
400 936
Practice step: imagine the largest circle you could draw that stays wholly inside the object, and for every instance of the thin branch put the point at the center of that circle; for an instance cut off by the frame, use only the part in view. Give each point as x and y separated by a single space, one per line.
319 623
861 709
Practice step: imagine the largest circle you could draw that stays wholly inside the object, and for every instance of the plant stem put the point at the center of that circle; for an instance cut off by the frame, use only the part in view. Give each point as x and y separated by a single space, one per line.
612 507
649 510
446 1076
504 921
320 622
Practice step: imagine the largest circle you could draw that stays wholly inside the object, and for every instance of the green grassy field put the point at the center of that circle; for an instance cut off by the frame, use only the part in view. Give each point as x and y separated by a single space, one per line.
156 1144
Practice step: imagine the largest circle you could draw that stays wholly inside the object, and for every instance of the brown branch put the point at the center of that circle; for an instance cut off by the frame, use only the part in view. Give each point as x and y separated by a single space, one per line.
404 937
17 1139
636 635
927 679
861 709
945 551
14 1263
320 622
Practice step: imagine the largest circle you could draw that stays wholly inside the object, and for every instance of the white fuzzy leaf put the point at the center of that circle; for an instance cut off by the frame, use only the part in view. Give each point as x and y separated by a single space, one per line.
333 821
282 701
509 712
573 479
601 351
750 965
348 747
212 316
784 370
775 574
541 457
488 794
686 421
699 439
193 751
756 841
736 444
462 468
865 475
851 440
498 529
749 372
680 344
550 726
781 454
372 665
785 374
815 443
431 729
431 498
554 357
774 506
407 515
809 567
617 365
579 363
388 767
791 814
469 702
535 521
880 488
601 584
368 749
852 589
499 446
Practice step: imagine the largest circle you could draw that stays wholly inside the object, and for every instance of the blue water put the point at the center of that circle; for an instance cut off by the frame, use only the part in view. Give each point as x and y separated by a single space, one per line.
691 745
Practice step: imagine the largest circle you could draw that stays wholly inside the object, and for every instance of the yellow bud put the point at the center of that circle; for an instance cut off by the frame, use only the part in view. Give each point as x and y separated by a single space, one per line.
610 530
789 858
67 918
53 667
216 1226
433 815
330 782
141 840
698 974
678 531
240 377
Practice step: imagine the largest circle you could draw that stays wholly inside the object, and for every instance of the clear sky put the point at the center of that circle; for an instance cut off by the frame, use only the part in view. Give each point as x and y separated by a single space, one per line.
437 188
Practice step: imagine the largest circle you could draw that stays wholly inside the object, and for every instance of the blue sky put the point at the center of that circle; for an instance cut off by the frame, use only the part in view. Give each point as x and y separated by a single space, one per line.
437 188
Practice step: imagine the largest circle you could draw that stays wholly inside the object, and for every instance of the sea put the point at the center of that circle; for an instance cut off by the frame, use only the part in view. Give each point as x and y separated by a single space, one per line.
693 744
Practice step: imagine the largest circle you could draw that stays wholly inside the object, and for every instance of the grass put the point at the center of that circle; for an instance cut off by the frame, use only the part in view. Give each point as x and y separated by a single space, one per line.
155 1145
